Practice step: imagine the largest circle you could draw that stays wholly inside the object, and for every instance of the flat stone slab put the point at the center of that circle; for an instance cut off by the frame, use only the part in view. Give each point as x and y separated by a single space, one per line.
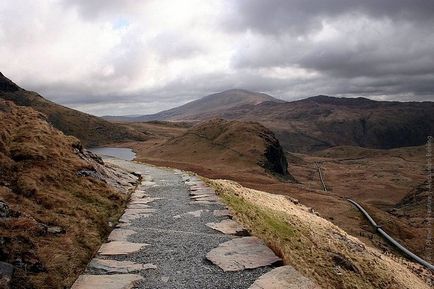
120 248
285 277
116 281
120 234
137 206
222 213
139 211
143 200
242 253
127 218
148 184
229 227
205 198
113 266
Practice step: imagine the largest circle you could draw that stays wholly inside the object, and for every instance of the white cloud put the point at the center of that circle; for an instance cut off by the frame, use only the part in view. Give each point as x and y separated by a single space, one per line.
120 57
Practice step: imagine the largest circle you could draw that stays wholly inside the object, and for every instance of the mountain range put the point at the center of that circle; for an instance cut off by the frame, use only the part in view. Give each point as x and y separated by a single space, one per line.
313 123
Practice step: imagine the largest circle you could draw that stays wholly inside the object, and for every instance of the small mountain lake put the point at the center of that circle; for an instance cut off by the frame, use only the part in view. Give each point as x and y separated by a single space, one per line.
120 153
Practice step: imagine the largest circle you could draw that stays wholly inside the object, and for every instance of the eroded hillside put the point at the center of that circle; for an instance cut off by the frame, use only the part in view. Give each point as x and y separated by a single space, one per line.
55 200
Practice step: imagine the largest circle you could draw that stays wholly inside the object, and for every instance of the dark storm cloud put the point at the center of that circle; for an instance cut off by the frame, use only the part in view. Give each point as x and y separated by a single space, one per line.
302 16
128 57
365 48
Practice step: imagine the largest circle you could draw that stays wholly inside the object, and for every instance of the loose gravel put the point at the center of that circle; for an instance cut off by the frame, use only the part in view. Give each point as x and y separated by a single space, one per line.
178 239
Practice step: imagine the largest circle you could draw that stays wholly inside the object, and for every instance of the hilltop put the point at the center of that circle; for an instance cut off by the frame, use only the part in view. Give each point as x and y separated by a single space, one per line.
91 130
206 107
218 147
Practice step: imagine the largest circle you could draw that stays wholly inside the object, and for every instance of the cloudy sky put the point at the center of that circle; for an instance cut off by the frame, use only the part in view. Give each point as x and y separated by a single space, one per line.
137 57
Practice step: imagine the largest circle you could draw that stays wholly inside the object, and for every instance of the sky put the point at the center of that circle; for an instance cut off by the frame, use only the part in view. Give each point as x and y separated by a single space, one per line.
112 57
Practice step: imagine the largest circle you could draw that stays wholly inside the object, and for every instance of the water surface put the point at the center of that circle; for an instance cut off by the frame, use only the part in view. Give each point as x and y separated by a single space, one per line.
120 153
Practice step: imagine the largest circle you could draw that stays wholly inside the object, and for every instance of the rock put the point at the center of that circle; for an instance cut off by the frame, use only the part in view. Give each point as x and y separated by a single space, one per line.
4 210
222 213
345 263
6 273
212 198
120 248
242 253
113 266
285 277
120 234
116 281
229 227
137 206
55 230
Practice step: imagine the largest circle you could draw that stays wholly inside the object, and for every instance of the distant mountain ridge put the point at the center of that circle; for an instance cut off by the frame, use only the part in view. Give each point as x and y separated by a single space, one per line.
91 130
208 106
318 122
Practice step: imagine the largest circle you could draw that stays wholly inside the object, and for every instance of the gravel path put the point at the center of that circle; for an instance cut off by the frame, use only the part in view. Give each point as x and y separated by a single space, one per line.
176 235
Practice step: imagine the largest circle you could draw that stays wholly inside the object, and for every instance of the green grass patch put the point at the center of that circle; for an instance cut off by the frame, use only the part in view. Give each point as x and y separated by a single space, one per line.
258 219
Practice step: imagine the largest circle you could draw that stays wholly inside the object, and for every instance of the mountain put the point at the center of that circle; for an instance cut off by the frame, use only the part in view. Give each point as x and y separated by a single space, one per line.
207 107
319 122
91 130
56 200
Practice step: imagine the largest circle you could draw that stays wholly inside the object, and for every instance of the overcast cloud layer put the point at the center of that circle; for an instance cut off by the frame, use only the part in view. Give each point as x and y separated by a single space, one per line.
138 57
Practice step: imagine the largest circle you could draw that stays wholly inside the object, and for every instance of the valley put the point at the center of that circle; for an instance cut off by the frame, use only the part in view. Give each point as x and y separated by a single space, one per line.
48 175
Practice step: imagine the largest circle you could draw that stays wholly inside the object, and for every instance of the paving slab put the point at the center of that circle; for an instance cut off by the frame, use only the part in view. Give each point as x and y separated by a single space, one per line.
229 227
120 248
242 253
120 234
222 213
285 277
115 281
113 266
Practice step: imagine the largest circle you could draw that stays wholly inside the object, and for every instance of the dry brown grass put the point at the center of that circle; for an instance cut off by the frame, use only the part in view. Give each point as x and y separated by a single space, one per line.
313 245
39 182
375 178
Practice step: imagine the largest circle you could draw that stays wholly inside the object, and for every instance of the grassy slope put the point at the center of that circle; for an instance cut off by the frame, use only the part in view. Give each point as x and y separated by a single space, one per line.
220 146
91 130
39 183
314 246
376 178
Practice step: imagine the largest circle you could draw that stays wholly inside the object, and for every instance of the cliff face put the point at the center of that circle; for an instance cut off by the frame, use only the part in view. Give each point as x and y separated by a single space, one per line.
55 200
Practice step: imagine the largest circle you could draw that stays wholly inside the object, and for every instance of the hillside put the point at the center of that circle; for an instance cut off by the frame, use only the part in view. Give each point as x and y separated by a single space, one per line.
221 146
55 200
207 107
322 121
314 246
91 130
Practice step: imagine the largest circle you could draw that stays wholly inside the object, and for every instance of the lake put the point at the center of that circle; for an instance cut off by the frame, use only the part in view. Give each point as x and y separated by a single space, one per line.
120 153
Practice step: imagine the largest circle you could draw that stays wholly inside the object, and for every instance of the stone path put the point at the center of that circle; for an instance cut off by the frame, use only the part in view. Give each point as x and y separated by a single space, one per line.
172 235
